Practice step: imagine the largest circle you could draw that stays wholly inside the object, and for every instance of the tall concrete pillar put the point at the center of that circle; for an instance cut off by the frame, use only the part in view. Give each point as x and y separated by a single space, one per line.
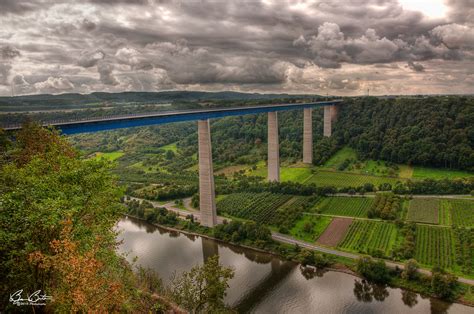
273 148
334 113
207 198
308 136
327 129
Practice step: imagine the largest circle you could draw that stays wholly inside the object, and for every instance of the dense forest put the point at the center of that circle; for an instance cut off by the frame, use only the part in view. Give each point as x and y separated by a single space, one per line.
433 131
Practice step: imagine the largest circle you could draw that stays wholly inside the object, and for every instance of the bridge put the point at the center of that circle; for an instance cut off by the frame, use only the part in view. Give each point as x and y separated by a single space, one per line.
207 203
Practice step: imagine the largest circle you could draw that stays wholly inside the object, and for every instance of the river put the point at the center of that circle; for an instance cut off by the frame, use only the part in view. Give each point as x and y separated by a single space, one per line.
264 283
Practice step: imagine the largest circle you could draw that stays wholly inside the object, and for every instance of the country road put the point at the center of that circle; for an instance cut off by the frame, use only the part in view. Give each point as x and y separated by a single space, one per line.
285 238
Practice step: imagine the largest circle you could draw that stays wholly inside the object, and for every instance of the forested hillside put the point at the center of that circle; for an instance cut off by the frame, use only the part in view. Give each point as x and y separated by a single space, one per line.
434 131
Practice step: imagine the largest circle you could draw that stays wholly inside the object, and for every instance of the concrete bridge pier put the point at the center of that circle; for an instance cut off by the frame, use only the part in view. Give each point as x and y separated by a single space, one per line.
273 148
308 136
207 198
327 128
334 110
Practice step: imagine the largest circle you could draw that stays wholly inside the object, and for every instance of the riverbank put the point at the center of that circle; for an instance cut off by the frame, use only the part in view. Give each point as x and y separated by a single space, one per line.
339 263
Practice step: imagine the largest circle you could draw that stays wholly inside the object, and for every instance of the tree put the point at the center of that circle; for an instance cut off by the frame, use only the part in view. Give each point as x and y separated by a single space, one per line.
443 284
53 203
411 269
375 271
203 288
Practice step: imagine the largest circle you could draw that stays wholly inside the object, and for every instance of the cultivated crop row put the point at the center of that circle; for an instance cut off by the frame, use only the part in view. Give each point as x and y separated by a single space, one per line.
371 237
423 210
462 212
464 239
434 246
260 207
345 206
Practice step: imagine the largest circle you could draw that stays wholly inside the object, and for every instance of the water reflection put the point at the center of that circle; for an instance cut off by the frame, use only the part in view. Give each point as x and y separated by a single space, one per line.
265 284
409 298
367 292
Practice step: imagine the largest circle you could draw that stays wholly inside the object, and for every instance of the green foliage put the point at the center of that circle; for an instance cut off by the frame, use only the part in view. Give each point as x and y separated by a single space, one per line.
410 270
52 203
203 288
246 232
385 206
443 284
433 131
372 270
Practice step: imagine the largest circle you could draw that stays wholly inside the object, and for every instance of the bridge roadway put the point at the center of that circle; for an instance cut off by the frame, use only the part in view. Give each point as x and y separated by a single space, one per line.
135 120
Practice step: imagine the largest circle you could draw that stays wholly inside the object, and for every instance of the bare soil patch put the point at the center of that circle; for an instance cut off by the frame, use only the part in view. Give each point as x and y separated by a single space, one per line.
335 232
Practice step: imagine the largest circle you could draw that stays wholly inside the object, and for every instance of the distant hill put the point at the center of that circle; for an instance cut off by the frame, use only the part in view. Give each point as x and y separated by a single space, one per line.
73 99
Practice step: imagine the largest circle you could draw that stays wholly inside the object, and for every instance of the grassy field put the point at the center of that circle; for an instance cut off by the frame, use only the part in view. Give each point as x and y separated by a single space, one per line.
110 156
370 237
438 173
338 158
309 228
424 210
345 206
344 179
434 246
286 173
172 147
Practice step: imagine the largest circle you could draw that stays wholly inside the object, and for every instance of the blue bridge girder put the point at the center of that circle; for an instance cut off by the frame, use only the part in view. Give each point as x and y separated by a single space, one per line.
147 119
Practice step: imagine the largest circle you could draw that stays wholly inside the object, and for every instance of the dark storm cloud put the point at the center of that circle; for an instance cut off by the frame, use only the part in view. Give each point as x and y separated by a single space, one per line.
248 45
417 67
8 52
16 6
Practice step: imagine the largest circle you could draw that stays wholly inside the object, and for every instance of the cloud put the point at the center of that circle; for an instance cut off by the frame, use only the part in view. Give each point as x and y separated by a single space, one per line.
54 85
278 46
8 52
106 75
455 36
417 67
89 59
4 73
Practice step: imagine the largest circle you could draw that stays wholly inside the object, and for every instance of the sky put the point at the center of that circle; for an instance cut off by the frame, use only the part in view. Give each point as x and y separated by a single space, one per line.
336 47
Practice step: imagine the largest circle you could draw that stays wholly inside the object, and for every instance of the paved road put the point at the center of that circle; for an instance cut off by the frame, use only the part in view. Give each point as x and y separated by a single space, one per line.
460 197
289 240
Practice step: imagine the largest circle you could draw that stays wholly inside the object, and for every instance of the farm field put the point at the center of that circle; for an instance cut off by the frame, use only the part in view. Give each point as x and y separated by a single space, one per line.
295 174
423 210
435 246
344 179
370 237
335 232
310 227
345 206
457 212
259 207
439 173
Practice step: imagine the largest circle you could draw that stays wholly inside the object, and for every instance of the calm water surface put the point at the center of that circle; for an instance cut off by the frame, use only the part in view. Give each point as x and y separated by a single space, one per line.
266 284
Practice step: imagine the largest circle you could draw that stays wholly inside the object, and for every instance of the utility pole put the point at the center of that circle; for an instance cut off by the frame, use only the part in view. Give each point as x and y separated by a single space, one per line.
13 92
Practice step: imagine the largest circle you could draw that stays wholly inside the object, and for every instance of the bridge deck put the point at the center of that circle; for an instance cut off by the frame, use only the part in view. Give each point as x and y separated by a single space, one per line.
135 120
